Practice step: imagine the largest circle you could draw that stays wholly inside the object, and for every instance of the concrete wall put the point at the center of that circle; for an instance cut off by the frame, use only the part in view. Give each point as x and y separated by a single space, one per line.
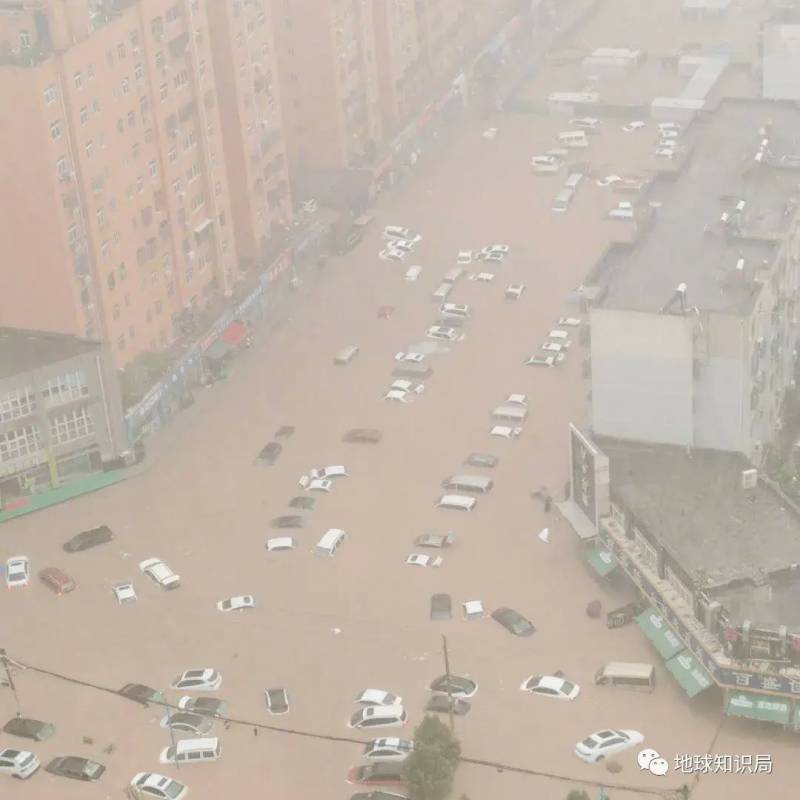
642 381
722 385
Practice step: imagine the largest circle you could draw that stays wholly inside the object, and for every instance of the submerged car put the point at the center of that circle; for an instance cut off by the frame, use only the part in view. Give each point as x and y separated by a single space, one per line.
441 703
81 769
198 680
237 603
210 706
513 622
388 748
268 454
551 686
17 572
378 774
602 744
459 686
441 607
125 593
18 763
277 701
90 538
436 540
482 460
153 785
378 697
160 573
187 722
288 521
362 436
29 728
142 694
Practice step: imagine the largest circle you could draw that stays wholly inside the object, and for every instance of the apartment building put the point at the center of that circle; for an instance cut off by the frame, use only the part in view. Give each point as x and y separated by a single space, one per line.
399 53
117 199
255 156
694 337
328 81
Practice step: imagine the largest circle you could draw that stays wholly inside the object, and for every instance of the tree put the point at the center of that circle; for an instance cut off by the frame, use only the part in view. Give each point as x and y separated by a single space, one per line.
431 766
578 794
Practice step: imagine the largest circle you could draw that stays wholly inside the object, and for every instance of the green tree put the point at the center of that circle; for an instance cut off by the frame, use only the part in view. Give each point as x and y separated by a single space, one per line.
578 794
431 766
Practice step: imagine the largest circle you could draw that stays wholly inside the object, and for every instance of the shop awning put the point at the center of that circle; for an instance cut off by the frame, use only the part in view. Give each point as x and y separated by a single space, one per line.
690 673
601 560
759 707
217 350
235 333
657 630
796 718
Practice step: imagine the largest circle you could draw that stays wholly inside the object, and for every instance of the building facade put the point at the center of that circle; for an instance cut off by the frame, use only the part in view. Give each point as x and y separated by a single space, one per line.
119 199
243 50
328 81
60 411
695 344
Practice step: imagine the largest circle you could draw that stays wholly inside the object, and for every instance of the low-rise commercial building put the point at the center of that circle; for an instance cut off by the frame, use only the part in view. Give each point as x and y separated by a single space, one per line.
60 411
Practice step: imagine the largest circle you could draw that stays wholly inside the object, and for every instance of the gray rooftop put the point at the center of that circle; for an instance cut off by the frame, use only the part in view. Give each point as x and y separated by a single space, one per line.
23 351
718 532
686 242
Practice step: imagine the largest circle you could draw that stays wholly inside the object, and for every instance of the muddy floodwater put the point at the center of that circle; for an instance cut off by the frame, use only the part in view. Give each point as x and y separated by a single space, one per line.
327 628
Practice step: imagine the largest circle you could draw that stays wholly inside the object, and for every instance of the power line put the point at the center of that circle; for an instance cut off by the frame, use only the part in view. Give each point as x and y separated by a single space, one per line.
494 765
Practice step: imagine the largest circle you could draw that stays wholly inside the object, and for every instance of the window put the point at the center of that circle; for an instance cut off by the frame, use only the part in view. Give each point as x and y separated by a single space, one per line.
190 140
198 201
17 403
153 169
115 311
201 69
100 216
181 79
89 149
131 119
121 343
20 442
138 72
77 79
123 271
136 149
121 50
126 86
111 280
160 60
75 424
64 388
50 95
148 136
140 184
172 155
84 115
55 130
96 106
90 71
177 186
163 91
25 39
61 168
648 552
193 172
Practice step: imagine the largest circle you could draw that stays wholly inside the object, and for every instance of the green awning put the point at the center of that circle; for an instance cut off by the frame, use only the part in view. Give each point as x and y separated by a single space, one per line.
601 559
689 673
760 707
657 630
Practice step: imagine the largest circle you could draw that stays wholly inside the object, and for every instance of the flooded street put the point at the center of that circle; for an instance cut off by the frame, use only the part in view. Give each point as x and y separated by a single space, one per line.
327 628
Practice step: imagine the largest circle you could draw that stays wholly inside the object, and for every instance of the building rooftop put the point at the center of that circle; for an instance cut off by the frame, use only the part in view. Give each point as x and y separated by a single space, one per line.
688 242
739 544
24 351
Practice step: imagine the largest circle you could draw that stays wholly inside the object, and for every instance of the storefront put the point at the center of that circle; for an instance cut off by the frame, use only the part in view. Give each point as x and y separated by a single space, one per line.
600 559
690 673
759 707
661 636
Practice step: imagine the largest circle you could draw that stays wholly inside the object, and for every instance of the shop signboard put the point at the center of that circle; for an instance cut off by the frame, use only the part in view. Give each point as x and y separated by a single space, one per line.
724 676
